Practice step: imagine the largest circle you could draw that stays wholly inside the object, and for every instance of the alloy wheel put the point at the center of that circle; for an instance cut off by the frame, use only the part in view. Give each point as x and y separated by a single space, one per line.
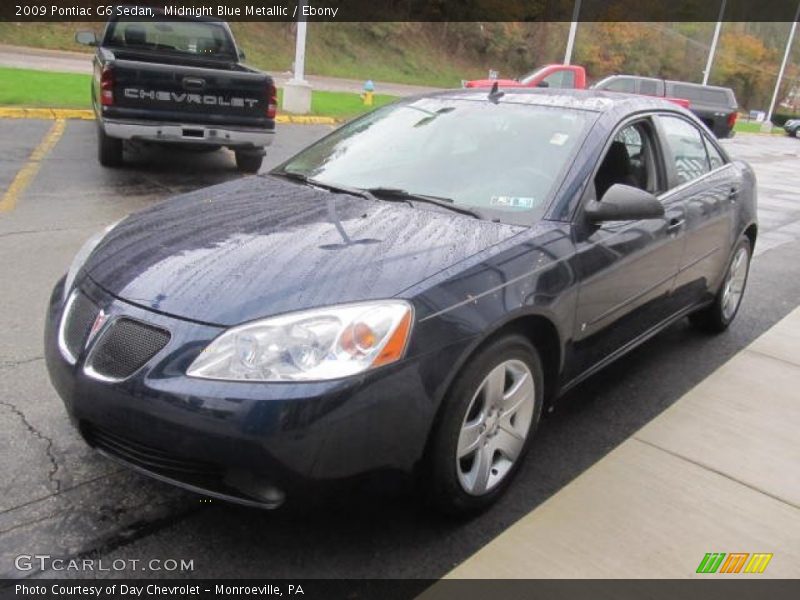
734 283
495 427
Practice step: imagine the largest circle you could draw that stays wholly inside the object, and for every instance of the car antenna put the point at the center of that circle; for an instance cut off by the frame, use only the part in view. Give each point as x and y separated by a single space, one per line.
495 94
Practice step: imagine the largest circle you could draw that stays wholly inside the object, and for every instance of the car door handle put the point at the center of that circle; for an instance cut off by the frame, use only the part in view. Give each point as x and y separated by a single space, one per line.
734 195
675 223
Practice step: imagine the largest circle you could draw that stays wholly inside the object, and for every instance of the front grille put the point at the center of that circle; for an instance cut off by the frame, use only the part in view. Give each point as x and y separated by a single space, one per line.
125 346
78 323
147 457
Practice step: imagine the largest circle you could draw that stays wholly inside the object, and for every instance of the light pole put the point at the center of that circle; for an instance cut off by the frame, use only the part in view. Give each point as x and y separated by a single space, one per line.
573 28
713 49
297 91
768 122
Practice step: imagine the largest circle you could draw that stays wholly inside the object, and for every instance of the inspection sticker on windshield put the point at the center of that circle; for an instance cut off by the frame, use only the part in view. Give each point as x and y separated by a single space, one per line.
559 139
513 201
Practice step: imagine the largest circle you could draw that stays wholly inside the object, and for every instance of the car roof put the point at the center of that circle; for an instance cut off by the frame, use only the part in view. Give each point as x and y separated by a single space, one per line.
599 101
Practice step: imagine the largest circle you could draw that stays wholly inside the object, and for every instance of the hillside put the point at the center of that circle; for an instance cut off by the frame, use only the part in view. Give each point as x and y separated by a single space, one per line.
442 54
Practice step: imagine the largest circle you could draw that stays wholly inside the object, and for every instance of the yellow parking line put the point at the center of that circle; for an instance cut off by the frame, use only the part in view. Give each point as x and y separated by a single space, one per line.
28 172
16 112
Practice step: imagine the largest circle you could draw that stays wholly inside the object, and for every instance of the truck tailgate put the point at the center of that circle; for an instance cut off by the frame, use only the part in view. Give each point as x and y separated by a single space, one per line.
171 93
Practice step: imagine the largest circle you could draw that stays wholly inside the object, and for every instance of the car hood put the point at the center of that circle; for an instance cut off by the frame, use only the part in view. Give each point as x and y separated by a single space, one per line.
261 246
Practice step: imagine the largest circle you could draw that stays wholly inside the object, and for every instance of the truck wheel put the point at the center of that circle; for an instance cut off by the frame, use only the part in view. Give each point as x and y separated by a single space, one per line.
109 150
248 162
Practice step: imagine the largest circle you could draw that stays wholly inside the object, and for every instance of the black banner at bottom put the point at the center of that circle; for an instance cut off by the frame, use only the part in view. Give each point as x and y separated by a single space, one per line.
400 589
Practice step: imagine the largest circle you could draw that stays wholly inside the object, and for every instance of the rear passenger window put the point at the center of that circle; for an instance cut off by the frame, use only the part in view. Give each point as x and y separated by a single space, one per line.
714 157
623 84
687 148
648 87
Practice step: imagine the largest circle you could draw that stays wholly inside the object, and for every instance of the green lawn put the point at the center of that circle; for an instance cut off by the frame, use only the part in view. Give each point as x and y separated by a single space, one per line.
753 127
25 87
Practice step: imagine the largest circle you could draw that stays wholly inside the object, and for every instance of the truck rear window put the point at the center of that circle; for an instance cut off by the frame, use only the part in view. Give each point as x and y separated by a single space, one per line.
200 38
702 95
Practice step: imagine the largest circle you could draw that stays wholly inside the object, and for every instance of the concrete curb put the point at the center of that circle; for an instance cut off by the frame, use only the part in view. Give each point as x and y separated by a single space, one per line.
14 112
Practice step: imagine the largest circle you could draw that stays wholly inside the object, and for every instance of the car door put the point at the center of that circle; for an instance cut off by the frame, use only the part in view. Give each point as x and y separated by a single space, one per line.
626 268
708 185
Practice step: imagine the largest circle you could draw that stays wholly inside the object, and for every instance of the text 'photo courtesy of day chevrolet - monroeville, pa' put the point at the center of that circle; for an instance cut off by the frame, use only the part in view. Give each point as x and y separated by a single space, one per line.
403 300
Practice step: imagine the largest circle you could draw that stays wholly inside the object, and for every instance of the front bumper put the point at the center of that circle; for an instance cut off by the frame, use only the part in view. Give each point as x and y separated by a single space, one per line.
244 442
189 133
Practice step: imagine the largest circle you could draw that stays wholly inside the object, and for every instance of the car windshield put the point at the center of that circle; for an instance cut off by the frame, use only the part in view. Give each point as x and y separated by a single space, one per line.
205 39
502 160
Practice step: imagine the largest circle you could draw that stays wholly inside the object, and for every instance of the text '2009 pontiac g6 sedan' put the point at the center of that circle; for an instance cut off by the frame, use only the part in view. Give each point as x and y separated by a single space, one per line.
404 295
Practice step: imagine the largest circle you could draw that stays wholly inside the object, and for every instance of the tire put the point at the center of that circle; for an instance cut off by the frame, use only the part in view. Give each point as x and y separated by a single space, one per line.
109 150
718 316
793 132
467 426
248 162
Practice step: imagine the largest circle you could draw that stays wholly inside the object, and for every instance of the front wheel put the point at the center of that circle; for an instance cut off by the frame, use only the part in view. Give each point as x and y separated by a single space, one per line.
248 162
487 422
717 317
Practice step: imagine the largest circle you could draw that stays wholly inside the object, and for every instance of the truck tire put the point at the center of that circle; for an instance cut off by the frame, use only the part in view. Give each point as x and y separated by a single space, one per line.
109 150
248 162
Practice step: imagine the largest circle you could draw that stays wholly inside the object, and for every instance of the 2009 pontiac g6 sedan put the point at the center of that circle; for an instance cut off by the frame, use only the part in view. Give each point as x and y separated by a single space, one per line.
404 295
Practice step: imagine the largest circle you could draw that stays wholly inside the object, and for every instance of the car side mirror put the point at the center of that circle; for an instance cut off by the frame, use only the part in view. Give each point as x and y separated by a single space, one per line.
87 38
543 84
625 203
242 55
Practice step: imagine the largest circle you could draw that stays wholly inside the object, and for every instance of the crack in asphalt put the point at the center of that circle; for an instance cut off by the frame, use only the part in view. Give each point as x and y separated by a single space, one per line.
10 364
51 476
47 230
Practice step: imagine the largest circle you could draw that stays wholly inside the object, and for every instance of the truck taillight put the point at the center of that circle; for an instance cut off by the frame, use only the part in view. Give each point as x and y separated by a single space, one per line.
272 101
732 119
107 86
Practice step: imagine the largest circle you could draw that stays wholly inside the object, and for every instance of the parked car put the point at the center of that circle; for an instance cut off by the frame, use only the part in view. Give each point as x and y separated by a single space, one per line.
714 106
403 296
792 126
178 81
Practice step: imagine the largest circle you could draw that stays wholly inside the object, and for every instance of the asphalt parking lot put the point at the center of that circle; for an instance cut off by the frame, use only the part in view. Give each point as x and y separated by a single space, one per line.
57 497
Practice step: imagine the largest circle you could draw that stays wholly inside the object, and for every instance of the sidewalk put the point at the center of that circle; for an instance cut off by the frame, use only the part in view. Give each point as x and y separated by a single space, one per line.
719 471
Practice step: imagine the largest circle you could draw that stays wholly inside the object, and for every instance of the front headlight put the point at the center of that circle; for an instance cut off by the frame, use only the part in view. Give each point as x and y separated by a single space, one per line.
312 345
80 258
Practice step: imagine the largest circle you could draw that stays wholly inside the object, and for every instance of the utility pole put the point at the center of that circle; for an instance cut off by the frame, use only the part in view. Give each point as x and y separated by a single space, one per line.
713 49
768 122
573 28
297 91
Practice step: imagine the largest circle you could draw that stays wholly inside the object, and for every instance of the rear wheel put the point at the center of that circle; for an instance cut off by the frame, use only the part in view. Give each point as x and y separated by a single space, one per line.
109 150
487 422
248 162
720 314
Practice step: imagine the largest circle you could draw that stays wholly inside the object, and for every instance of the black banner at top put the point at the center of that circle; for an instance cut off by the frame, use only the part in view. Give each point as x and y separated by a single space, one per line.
403 10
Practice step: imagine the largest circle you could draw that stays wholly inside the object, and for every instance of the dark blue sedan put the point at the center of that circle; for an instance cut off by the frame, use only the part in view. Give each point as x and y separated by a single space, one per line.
403 296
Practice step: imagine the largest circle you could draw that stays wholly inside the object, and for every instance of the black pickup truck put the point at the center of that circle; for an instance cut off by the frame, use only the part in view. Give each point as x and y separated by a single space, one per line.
178 81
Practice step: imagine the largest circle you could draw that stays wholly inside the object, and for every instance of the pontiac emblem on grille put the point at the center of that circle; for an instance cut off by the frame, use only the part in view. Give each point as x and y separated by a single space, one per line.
99 321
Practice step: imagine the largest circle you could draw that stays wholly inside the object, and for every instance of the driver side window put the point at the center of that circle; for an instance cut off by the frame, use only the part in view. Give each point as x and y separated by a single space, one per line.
629 160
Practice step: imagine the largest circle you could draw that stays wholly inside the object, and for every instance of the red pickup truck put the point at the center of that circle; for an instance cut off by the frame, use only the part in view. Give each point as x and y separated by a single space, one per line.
551 76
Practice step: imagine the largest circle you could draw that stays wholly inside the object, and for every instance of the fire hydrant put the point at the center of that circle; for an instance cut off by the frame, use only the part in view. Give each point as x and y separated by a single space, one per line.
367 94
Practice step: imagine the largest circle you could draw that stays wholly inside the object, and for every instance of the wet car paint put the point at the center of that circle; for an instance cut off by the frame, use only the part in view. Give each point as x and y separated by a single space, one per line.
262 246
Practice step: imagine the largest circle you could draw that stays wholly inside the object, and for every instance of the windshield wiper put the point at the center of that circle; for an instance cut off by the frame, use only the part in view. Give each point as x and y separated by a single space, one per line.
400 195
331 187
